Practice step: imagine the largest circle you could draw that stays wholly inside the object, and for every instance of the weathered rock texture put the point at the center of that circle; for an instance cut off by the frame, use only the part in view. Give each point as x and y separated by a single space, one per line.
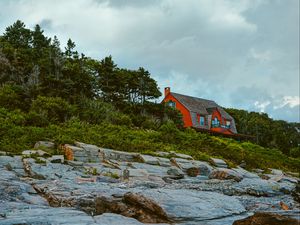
90 188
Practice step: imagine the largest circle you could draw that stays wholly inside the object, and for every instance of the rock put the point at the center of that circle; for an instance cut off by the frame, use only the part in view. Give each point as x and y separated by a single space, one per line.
148 159
267 219
165 162
132 205
138 173
120 156
93 152
204 167
219 163
225 174
44 144
2 153
260 187
20 213
56 159
175 172
180 155
190 205
75 153
245 173
35 152
115 219
17 166
296 192
193 171
153 170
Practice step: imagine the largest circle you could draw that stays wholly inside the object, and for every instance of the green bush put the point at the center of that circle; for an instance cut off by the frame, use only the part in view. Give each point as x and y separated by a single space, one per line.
54 109
295 152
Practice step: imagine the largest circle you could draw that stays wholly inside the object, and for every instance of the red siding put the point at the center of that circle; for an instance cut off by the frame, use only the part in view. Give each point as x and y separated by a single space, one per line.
186 116
217 114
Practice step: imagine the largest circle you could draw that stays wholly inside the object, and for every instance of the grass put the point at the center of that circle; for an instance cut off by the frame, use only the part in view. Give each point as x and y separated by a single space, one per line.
16 137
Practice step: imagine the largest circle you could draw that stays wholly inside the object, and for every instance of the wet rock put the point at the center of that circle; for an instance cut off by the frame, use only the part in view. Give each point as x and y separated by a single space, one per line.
225 174
219 163
44 144
267 219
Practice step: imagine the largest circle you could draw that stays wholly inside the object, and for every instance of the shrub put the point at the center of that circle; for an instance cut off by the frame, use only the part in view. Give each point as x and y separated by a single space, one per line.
55 109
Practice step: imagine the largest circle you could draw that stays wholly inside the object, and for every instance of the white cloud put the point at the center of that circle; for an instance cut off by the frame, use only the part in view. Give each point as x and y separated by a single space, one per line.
290 101
261 106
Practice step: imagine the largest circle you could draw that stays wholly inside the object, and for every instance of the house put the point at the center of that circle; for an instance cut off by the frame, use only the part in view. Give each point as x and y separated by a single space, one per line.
201 114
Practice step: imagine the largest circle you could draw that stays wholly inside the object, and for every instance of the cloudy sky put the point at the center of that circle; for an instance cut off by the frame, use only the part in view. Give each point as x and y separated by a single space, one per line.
240 53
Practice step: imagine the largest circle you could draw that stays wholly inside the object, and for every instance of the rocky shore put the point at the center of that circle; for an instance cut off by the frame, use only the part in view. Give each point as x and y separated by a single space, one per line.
92 185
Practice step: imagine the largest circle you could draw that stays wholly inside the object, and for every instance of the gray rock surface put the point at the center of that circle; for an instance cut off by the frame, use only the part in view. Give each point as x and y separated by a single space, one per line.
87 192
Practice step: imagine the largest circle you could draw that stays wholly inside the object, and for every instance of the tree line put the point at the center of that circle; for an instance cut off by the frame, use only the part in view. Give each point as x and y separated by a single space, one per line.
52 84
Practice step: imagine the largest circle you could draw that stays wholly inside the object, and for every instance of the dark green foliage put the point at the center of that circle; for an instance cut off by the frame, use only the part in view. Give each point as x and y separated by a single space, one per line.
52 109
266 131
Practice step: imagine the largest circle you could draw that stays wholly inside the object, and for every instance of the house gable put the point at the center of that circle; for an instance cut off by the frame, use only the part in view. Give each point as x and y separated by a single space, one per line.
201 113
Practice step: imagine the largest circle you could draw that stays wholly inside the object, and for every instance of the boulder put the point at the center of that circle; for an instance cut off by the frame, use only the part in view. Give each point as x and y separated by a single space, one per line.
267 219
44 144
218 162
225 174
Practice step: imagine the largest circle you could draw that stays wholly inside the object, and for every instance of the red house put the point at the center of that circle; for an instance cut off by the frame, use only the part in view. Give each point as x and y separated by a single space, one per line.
201 114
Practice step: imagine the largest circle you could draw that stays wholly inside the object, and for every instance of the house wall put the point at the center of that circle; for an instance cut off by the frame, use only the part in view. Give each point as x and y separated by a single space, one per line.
186 116
217 114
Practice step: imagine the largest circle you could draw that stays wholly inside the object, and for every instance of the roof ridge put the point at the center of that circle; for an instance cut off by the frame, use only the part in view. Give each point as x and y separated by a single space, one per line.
193 97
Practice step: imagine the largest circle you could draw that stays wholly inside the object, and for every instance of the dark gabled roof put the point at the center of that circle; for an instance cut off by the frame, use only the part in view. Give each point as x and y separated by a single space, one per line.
200 105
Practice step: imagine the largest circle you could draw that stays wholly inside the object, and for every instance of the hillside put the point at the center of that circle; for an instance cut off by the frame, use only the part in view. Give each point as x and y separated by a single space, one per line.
63 96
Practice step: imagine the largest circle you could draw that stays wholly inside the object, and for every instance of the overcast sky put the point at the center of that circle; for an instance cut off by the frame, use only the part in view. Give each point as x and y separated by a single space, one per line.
240 53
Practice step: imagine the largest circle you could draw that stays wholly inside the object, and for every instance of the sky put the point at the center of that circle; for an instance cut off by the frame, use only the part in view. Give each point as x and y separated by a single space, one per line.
240 53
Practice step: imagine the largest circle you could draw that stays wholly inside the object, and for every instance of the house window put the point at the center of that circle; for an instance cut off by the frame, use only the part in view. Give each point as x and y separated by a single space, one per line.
215 122
202 121
171 104
228 123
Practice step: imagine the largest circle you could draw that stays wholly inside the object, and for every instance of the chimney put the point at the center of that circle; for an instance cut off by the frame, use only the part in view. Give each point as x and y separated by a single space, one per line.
167 91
